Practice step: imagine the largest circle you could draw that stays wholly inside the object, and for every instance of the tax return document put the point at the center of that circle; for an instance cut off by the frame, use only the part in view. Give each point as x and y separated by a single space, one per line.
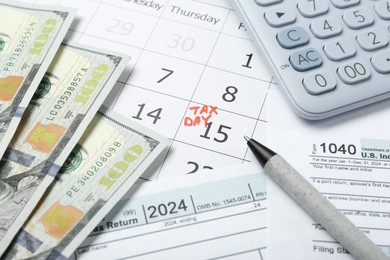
214 214
347 158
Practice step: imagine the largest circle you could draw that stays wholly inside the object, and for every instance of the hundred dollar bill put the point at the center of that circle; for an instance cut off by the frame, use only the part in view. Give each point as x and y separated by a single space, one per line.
109 158
29 38
72 90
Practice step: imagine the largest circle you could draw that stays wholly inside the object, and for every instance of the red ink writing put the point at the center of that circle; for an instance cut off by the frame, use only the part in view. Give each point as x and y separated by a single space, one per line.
200 114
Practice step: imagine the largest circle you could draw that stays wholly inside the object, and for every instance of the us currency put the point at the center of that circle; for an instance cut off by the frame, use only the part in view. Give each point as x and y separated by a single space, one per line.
29 38
109 158
72 90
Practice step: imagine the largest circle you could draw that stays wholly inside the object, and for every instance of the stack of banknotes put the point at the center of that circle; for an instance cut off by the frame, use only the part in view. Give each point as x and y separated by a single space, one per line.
65 159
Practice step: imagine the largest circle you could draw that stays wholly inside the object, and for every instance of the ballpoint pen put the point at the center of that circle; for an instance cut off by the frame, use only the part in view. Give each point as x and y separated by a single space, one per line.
315 204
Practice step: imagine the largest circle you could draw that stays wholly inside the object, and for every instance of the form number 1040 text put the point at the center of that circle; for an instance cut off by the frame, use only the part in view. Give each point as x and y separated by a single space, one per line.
334 148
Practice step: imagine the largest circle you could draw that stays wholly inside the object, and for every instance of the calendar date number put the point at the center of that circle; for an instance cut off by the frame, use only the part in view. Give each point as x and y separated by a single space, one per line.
153 114
222 133
196 167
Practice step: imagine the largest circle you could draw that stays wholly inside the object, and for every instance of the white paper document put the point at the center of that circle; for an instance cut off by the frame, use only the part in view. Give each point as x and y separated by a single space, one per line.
347 158
216 214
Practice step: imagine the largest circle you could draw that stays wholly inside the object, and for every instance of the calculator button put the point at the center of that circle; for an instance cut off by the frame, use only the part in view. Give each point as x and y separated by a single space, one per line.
344 3
340 49
382 9
319 82
312 8
372 39
326 27
280 16
306 59
292 37
354 72
381 62
267 2
358 18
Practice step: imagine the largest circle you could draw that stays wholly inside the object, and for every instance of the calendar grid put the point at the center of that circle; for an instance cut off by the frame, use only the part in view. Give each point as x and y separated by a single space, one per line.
189 59
189 102
199 103
253 132
143 49
225 154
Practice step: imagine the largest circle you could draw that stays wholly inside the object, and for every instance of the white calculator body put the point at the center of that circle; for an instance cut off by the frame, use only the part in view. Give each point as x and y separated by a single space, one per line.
329 56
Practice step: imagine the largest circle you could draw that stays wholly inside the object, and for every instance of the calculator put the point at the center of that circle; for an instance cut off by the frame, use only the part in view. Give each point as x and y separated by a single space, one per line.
328 56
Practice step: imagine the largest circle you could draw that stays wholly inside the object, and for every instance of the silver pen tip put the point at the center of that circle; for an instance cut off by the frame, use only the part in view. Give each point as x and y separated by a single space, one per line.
246 138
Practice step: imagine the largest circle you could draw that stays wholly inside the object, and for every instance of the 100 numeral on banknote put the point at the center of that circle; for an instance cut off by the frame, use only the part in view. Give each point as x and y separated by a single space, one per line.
74 87
109 158
29 38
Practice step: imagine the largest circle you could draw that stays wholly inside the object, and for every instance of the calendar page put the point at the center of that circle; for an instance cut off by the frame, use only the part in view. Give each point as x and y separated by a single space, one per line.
194 76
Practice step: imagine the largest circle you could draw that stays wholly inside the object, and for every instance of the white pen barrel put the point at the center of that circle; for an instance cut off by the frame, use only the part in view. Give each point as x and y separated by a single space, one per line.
321 210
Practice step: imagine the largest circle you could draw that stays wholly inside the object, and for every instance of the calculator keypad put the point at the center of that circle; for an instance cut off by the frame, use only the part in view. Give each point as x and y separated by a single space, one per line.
354 72
372 39
327 48
340 49
344 3
292 37
267 2
382 9
357 19
307 9
381 62
319 82
306 59
280 16
326 27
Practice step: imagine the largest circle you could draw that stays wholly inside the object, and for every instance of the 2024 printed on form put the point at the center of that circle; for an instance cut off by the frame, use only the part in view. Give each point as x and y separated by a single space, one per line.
194 76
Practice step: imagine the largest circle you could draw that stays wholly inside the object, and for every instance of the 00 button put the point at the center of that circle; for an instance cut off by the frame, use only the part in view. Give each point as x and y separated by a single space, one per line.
354 72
